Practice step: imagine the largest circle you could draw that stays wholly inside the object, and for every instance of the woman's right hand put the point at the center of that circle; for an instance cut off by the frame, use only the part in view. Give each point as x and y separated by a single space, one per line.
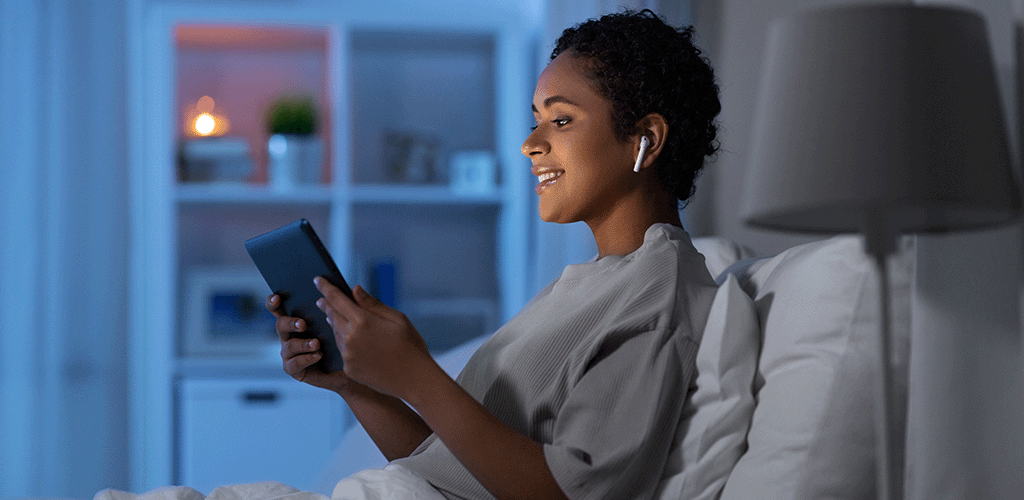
394 427
299 355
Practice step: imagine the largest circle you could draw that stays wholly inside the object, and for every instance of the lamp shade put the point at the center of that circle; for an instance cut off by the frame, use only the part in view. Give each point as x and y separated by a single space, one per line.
879 115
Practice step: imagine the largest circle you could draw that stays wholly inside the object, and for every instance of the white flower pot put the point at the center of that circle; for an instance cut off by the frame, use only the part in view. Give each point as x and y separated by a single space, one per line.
294 160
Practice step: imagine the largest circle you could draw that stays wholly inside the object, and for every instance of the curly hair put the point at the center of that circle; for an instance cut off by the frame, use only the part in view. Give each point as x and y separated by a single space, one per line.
642 65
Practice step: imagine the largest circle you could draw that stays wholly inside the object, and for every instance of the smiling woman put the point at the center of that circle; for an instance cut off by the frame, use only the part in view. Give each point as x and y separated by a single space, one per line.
574 149
578 159
592 118
570 397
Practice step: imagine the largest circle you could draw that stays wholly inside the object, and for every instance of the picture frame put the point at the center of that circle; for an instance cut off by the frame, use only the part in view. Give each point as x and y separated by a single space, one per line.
474 172
225 314
411 158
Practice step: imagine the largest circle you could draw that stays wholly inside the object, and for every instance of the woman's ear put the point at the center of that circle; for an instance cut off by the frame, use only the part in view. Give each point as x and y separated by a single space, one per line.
655 129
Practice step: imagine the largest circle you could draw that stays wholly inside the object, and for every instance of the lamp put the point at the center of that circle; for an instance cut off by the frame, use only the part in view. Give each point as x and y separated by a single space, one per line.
880 119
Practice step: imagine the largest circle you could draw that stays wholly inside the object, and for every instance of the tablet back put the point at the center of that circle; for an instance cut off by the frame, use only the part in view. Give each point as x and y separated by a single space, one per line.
289 257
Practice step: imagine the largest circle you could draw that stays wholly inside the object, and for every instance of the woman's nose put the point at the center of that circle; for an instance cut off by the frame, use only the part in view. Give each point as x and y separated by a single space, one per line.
534 144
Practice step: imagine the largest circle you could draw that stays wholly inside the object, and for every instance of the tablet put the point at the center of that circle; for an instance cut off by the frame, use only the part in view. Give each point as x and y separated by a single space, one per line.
289 257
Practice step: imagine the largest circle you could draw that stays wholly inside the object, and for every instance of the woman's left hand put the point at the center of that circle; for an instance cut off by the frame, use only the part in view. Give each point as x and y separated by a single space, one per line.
379 345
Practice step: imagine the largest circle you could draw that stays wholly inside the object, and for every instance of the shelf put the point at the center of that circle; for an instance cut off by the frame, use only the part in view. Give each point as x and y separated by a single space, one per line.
212 193
256 194
439 195
263 366
460 257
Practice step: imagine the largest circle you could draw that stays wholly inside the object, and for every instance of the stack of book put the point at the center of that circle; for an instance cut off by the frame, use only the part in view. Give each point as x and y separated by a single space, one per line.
215 159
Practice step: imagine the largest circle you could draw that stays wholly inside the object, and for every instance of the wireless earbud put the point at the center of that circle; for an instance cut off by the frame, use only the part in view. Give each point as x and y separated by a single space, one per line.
643 150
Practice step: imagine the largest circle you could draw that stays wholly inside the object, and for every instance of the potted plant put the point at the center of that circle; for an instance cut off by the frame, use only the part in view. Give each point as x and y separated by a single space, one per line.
294 151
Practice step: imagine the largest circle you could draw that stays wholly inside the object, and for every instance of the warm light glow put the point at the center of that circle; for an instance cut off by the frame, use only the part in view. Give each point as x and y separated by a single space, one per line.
205 124
204 119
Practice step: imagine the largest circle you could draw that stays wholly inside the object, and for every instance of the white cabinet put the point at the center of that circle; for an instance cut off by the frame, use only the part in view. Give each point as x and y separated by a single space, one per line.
236 431
398 96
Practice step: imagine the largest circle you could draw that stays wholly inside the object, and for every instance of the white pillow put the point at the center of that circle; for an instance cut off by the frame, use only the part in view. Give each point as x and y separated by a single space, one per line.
712 434
812 433
720 253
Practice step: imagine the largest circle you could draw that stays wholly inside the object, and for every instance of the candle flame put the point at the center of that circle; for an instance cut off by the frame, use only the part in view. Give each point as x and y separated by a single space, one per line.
204 120
205 124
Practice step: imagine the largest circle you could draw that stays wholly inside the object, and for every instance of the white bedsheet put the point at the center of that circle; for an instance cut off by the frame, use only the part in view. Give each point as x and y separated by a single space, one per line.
257 491
391 482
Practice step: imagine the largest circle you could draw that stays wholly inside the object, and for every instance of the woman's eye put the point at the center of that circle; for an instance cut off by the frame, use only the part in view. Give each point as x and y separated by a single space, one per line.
559 122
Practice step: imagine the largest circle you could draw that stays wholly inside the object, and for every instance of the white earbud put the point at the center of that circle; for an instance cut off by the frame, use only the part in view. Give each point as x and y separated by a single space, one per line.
643 151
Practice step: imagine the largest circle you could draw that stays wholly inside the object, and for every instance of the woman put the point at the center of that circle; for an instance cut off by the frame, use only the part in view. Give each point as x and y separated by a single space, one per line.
576 396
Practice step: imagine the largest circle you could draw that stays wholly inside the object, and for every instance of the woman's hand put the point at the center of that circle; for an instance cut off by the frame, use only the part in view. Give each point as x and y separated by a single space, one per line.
393 426
298 355
379 345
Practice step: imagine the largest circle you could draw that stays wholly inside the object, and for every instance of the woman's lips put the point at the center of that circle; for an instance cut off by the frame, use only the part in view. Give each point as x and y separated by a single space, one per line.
546 178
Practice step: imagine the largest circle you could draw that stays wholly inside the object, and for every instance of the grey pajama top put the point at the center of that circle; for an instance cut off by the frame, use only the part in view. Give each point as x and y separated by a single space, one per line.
596 368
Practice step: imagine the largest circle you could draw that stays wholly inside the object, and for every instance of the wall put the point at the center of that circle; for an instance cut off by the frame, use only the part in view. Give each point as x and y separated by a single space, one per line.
65 233
967 382
19 245
966 367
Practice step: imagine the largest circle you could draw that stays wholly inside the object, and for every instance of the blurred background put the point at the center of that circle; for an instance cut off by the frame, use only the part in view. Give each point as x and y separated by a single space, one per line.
148 139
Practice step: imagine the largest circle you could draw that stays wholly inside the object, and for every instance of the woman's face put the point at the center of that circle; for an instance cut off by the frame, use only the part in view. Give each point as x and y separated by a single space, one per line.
582 168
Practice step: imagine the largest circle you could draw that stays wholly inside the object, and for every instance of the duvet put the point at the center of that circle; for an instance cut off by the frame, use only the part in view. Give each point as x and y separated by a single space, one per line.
391 482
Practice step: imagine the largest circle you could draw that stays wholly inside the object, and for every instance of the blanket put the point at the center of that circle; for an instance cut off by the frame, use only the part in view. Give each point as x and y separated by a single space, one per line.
393 481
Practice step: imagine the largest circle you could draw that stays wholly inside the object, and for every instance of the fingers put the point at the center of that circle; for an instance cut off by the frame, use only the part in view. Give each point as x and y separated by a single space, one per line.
273 305
371 303
335 297
363 298
298 347
286 326
299 354
298 357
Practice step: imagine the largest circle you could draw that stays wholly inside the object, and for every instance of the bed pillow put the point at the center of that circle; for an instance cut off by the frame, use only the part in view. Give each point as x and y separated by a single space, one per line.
712 432
812 432
720 253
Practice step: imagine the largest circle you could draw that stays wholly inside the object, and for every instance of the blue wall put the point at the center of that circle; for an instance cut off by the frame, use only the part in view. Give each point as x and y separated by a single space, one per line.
65 233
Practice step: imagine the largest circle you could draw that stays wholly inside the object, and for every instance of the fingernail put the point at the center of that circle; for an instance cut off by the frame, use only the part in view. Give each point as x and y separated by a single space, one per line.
298 323
309 344
320 303
316 281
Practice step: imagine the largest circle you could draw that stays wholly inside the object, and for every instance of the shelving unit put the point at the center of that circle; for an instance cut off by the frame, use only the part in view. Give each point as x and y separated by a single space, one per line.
460 258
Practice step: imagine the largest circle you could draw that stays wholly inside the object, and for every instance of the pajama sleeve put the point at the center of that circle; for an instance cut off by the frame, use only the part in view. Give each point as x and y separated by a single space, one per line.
612 436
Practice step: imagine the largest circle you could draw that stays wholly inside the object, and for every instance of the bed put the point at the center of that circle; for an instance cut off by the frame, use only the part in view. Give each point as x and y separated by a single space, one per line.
782 403
783 400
